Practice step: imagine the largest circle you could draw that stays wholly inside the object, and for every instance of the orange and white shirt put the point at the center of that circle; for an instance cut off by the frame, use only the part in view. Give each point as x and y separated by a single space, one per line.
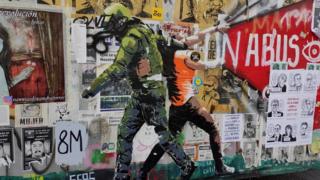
180 82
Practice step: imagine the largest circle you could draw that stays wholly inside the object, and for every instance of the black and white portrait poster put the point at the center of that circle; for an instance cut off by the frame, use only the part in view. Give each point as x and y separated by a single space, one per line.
30 115
278 78
37 146
291 108
6 148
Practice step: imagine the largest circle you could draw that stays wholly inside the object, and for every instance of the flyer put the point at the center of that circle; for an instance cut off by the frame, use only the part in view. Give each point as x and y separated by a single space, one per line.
37 146
30 115
36 60
231 127
6 147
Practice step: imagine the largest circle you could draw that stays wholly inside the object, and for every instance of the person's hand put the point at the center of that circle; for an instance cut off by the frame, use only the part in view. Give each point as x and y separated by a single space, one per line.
223 27
86 94
211 64
143 67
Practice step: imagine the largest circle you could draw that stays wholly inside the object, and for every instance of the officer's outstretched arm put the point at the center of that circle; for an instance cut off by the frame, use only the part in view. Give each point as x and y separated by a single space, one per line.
117 70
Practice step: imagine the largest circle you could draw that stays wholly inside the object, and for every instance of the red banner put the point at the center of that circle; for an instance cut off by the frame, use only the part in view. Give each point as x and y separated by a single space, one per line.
284 35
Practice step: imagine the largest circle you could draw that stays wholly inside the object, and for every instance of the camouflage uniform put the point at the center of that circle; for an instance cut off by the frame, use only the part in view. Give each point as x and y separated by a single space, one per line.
147 103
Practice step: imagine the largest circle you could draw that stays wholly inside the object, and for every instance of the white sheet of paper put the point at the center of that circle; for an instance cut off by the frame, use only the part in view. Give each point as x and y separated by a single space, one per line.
71 142
231 127
79 42
5 115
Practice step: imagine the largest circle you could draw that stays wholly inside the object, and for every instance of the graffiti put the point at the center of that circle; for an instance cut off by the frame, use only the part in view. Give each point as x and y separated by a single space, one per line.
96 159
68 148
91 22
83 176
275 48
311 51
71 142
302 15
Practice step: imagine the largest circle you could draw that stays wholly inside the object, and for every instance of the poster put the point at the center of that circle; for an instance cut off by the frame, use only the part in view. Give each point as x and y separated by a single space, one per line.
30 115
37 61
291 112
90 6
168 6
37 146
79 42
250 153
251 46
194 135
250 129
87 75
5 115
115 96
204 152
6 147
316 18
231 127
62 111
71 142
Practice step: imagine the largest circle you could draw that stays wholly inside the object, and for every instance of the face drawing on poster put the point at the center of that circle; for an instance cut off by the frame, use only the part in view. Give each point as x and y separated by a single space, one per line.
275 135
37 151
281 83
5 157
288 135
307 107
37 146
275 112
303 129
250 127
310 83
31 110
298 153
296 84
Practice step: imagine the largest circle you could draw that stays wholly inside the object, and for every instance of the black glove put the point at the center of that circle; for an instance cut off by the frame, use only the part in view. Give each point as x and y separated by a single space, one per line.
87 93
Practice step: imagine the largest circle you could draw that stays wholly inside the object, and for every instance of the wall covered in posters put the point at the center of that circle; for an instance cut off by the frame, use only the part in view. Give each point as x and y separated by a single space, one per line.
96 89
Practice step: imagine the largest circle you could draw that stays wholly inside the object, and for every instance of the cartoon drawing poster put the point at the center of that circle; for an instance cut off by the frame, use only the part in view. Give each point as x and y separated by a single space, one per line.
33 47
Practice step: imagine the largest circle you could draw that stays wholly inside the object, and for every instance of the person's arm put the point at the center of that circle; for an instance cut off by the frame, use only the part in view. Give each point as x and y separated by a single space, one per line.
194 65
23 75
4 87
196 38
200 65
117 70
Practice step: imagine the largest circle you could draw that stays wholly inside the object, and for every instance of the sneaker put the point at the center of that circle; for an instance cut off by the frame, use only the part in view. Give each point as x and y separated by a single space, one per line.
226 170
188 171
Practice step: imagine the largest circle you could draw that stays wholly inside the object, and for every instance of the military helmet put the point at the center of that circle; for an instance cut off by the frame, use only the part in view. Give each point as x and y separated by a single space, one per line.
118 10
116 17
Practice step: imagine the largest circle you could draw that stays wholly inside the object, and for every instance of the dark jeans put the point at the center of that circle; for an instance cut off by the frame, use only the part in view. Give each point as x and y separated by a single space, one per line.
178 116
147 108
